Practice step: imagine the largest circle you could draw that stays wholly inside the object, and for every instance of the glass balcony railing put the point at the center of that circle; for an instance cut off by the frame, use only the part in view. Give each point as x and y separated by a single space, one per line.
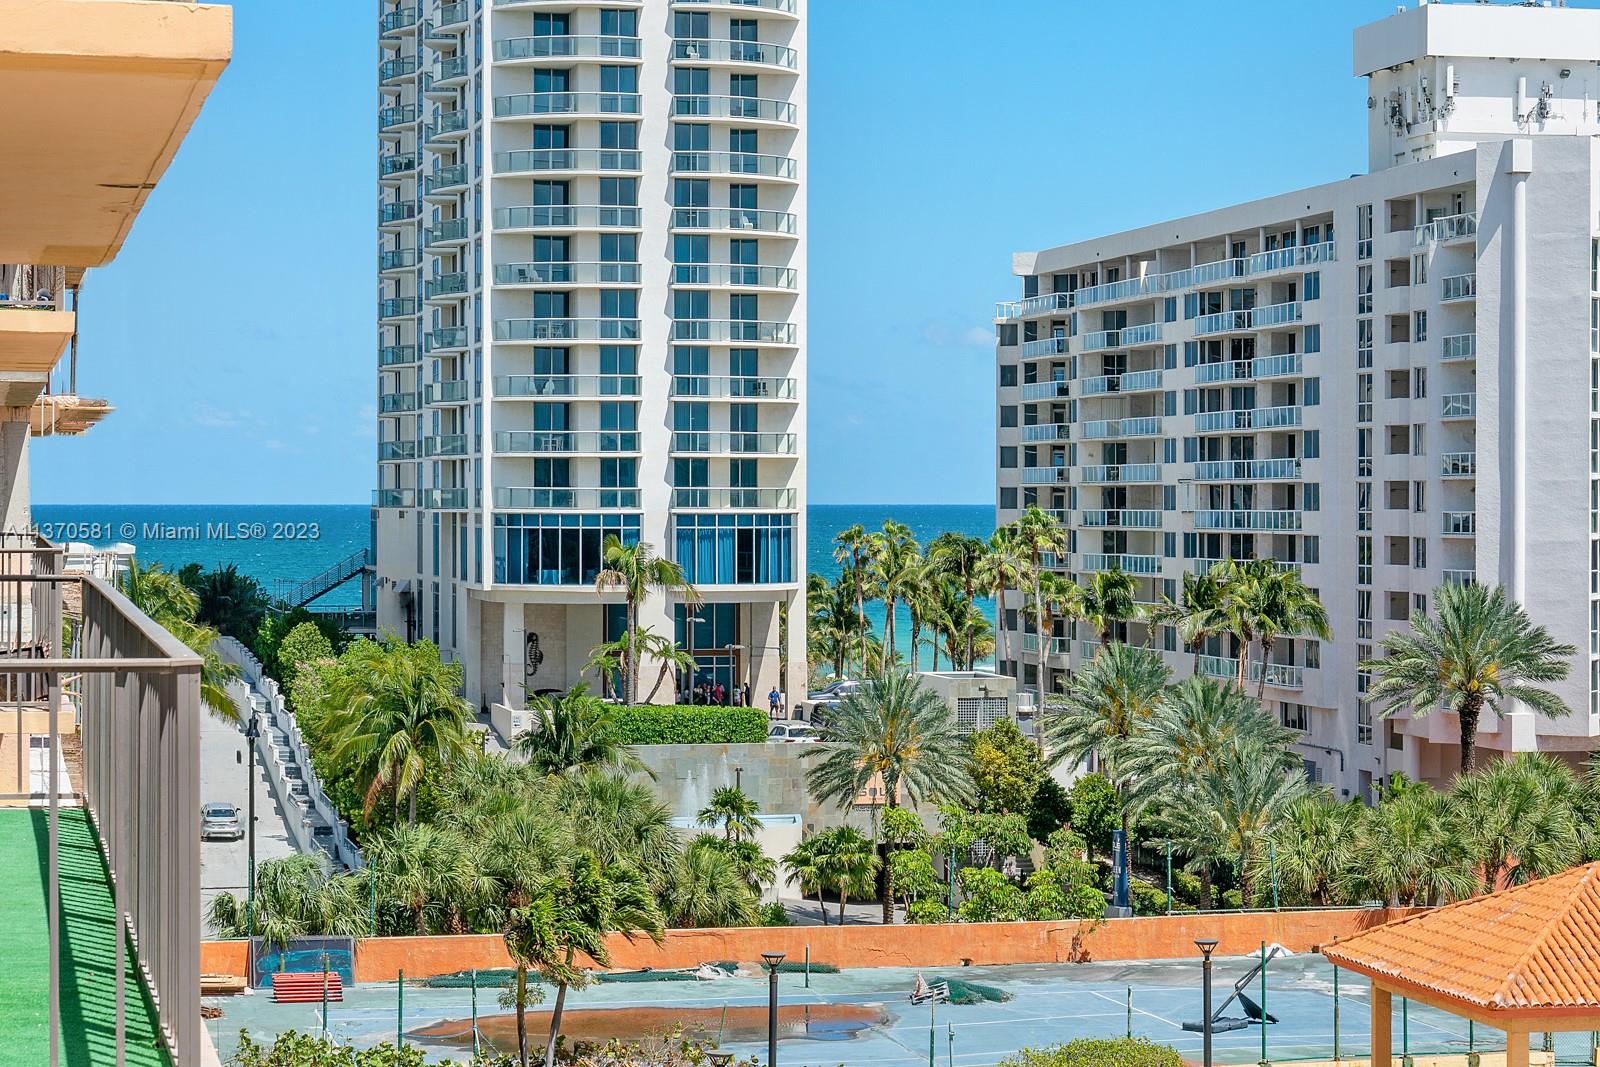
733 218
1459 346
566 330
538 442
735 443
1044 304
455 391
1222 322
734 330
397 307
449 498
1459 576
388 213
1448 228
566 217
445 337
1266 262
734 274
1113 561
734 497
445 445
566 385
400 18
1287 258
1044 346
567 273
1059 474
1121 519
1100 429
1287 365
447 178
555 498
393 451
1047 431
526 104
453 69
567 46
1058 646
397 403
1458 405
1052 390
1458 464
540 160
1205 565
785 6
1460 523
456 14
1247 520
394 498
1459 287
395 69
1247 470
1120 473
397 163
448 122
1276 314
396 355
447 232
702 50
1130 382
734 107
733 388
1279 675
397 259
1247 419
1233 370
755 164
447 285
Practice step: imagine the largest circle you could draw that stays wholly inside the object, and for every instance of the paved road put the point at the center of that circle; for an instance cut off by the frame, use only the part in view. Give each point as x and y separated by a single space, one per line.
222 778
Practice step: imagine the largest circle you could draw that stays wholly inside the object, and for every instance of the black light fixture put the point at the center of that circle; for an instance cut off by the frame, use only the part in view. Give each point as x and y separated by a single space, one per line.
719 1058
252 733
1206 945
772 960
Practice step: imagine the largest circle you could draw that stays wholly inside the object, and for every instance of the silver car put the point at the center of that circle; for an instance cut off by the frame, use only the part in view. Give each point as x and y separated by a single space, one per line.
220 822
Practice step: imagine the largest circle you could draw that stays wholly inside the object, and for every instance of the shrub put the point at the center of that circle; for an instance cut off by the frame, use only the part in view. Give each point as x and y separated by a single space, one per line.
1232 900
1050 809
1085 902
772 914
690 724
1147 899
1092 1052
927 911
1095 812
1186 887
990 897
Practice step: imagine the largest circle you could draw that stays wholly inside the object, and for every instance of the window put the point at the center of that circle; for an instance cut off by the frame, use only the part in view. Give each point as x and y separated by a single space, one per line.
1008 456
1419 553
555 549
624 192
1008 498
619 135
1294 716
619 79
1008 374
722 549
617 23
1419 326
547 136
690 137
1416 495
1008 415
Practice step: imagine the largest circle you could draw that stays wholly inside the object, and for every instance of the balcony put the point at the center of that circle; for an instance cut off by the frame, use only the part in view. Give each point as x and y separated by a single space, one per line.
740 108
1247 419
735 331
1056 475
1286 365
1043 305
539 386
447 286
1247 520
1459 287
1460 523
1130 382
453 391
735 275
396 214
533 105
1459 577
393 70
34 328
396 355
1279 675
1109 561
1448 228
556 274
1277 259
1202 566
734 220
394 498
396 451
566 160
1127 337
447 125
704 499
1101 429
452 71
1044 346
400 20
734 444
564 442
744 164
566 217
397 308
733 388
449 179
397 259
454 498
1120 474
781 7
1057 646
396 165
448 232
1247 470
446 337
567 46
1121 519
1458 465
1459 346
1047 431
445 445
397 403
455 16
1051 390
1276 315
1223 322
553 498
566 330
1458 406
702 50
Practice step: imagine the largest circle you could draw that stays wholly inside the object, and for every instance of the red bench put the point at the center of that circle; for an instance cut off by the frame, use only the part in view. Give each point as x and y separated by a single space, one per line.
304 987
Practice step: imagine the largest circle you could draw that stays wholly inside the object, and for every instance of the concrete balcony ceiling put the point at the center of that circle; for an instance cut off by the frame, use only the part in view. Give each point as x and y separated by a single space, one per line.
110 89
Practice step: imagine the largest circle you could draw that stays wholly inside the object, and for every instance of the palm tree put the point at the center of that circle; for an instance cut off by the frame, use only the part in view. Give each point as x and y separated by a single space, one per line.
1518 818
621 821
1108 600
1410 853
173 606
848 863
1313 845
394 714
1003 567
920 593
1195 615
959 557
1039 533
422 868
1194 720
1110 701
637 571
1291 609
1056 593
234 603
1246 605
1480 650
294 898
833 628
672 659
575 734
735 811
896 564
804 862
529 930
709 887
607 661
850 550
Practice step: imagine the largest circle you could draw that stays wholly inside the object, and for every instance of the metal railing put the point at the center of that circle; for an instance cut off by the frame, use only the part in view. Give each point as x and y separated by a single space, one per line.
554 385
529 104
1247 470
1460 523
733 218
1119 473
1047 431
1459 346
774 499
1051 390
1111 561
553 498
1124 518
567 45
1242 519
1447 228
1458 405
1459 287
1142 426
1458 464
1281 675
722 51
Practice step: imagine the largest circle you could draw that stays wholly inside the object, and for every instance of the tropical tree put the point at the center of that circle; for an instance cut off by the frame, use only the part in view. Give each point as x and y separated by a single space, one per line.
851 547
527 936
1057 595
636 571
805 863
1289 609
1108 601
1312 847
960 558
424 868
1195 615
1004 566
735 811
232 602
1194 720
1480 650
848 864
1520 818
833 627
1109 703
621 821
174 607
896 566
395 715
1411 852
711 888
1246 605
294 898
575 733
1039 533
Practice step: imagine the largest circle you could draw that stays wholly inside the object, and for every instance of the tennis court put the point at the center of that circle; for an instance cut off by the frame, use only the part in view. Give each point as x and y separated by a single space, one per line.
861 1017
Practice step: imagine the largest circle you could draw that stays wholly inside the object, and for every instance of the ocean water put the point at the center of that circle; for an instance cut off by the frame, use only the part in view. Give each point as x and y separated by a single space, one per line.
273 542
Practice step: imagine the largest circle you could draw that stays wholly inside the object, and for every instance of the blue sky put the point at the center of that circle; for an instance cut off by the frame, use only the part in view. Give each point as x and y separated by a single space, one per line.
234 333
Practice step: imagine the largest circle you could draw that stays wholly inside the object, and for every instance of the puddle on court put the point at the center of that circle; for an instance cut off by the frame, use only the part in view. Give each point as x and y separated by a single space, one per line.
733 1025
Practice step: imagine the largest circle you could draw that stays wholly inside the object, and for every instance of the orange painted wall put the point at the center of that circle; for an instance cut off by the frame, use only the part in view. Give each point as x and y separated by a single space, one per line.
224 957
1156 937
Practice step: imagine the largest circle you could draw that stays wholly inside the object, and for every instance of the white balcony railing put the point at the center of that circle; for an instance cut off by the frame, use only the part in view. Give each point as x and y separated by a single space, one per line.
1119 561
1448 228
1458 464
1247 470
1459 346
1120 474
1247 520
1101 429
1459 287
1458 405
1460 523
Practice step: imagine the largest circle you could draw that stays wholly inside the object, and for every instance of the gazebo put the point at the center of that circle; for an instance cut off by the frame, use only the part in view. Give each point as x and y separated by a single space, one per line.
1524 960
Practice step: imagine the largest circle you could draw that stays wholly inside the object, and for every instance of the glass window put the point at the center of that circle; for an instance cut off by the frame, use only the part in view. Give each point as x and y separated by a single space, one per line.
743 306
742 141
549 193
619 303
690 137
691 416
552 81
556 549
691 360
619 359
742 196
742 85
554 25
619 79
619 248
691 248
619 135
692 192
618 22
691 81
691 25
548 136
720 549
690 473
619 415
620 192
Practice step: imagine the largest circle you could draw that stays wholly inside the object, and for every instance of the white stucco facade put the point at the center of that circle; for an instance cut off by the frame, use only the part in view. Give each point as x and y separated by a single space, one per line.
1387 382
591 322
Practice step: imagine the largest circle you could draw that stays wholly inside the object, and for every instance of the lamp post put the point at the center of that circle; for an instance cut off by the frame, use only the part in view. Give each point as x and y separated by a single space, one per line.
772 959
252 732
1206 945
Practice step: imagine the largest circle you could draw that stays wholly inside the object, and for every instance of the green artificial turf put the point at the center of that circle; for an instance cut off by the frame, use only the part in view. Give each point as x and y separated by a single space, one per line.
88 951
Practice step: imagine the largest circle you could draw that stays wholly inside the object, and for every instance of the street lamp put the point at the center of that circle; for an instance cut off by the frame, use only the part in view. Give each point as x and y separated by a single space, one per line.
252 732
1206 945
772 959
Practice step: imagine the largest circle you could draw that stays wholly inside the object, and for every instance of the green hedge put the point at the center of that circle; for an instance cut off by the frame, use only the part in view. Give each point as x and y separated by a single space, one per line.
690 724
1092 1052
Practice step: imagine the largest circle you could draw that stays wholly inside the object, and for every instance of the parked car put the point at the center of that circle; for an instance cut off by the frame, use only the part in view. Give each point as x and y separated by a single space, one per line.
789 732
834 692
220 822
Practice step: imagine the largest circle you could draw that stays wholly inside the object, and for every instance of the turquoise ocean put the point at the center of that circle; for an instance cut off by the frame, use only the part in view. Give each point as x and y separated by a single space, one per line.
270 542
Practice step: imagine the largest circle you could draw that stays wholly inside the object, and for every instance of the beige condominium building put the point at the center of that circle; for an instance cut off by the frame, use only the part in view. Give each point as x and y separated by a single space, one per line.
1388 383
591 240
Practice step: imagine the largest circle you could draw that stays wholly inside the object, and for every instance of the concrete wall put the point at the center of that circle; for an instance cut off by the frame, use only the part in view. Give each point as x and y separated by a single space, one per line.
773 775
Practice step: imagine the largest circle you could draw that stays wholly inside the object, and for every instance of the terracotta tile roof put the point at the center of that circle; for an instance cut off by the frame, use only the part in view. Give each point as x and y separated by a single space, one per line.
1535 946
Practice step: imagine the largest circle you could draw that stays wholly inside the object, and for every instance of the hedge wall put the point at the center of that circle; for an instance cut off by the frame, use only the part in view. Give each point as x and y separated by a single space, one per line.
690 724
